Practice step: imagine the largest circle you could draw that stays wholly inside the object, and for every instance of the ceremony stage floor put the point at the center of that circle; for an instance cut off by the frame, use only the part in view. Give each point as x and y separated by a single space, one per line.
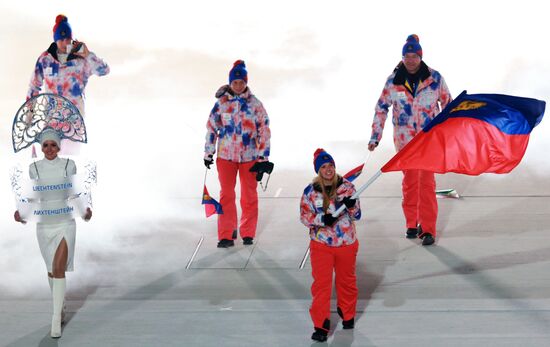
158 279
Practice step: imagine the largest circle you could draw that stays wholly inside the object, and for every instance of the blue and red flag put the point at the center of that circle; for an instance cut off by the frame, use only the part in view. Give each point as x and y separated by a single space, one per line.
353 174
474 134
211 206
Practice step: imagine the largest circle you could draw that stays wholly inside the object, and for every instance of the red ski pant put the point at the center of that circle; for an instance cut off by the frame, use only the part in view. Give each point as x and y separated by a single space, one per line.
419 201
227 222
325 261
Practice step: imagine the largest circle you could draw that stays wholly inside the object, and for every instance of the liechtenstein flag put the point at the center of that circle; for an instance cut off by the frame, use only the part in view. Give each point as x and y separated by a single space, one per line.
474 134
211 206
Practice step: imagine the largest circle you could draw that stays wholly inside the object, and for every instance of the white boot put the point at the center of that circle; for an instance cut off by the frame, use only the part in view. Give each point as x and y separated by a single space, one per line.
58 296
50 281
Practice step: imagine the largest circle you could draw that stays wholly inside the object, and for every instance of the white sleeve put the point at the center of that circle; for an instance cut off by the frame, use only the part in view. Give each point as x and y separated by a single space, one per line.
71 168
33 172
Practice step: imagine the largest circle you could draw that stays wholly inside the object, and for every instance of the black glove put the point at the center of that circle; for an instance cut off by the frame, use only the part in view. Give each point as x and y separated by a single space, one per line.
222 90
261 167
208 161
349 202
328 219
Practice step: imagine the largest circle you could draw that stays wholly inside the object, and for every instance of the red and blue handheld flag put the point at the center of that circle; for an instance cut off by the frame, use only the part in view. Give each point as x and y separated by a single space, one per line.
211 206
353 174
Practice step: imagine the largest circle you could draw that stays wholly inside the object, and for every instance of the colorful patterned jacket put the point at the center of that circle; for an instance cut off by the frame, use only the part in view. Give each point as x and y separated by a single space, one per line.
68 79
410 113
342 232
240 126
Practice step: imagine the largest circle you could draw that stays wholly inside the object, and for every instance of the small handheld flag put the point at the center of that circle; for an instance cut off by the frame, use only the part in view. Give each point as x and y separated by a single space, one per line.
354 173
211 206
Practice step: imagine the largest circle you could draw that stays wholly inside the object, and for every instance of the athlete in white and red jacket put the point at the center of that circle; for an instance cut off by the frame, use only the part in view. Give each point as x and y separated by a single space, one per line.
333 244
65 67
239 125
416 93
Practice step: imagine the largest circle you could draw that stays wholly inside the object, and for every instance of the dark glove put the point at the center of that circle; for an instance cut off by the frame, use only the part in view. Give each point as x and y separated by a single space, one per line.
261 167
208 161
328 219
349 202
222 90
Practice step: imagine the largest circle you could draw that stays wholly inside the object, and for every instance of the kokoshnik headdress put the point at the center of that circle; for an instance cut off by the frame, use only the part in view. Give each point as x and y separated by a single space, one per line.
47 111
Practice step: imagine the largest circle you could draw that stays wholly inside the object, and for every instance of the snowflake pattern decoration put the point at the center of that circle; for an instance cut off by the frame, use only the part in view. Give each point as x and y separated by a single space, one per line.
90 178
16 175
47 111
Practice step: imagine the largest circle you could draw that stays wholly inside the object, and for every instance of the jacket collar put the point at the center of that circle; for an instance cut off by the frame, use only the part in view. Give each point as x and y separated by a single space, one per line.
52 50
401 73
226 91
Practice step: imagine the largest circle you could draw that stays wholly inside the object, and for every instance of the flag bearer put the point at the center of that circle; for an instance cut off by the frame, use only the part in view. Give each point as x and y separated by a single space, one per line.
333 244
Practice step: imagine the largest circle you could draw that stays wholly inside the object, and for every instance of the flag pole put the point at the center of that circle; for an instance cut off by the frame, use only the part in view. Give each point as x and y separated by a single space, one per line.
369 155
358 192
204 183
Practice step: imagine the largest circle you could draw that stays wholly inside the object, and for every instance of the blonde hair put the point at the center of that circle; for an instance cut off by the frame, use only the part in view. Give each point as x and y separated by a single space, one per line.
330 195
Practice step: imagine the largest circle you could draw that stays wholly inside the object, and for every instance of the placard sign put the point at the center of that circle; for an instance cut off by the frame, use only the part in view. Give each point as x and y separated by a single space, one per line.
51 200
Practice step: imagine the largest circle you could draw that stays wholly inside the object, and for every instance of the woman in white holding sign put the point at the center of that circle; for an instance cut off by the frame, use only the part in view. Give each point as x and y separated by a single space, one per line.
56 239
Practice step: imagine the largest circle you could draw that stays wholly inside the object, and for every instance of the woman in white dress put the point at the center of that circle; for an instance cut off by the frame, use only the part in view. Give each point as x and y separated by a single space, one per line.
56 240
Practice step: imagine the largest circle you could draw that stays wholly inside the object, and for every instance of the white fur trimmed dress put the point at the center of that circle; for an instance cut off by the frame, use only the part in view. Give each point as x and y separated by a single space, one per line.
49 235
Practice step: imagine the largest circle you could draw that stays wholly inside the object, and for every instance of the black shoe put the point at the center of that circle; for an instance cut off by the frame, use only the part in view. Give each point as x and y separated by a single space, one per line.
225 243
248 240
427 239
412 233
346 324
320 335
234 236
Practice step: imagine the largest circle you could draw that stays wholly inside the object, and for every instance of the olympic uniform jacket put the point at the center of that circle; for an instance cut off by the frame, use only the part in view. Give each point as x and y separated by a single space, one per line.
240 126
342 232
410 112
69 79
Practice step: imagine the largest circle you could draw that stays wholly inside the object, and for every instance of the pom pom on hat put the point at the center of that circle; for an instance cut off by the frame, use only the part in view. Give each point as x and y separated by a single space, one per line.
412 45
238 72
413 37
321 157
62 29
